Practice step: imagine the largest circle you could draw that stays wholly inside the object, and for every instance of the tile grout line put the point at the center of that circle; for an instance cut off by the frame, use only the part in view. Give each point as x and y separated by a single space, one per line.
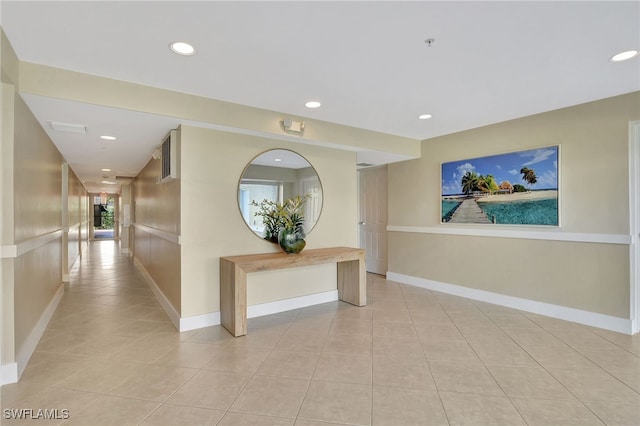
486 368
435 383
545 369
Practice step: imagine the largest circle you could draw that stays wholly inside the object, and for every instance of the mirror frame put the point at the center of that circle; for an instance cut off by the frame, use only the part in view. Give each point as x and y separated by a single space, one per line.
244 171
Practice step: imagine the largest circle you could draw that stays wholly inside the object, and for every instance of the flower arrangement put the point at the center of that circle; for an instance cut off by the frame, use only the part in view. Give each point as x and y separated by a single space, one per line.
271 213
284 220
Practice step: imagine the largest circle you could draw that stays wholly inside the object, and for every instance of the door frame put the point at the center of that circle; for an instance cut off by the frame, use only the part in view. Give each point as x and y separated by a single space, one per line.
361 239
116 216
634 225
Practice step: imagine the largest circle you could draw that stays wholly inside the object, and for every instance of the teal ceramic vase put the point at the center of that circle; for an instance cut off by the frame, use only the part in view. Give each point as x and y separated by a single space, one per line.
291 240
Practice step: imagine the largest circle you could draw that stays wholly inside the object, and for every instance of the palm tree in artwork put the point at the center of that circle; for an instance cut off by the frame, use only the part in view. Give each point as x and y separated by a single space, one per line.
469 182
529 175
487 184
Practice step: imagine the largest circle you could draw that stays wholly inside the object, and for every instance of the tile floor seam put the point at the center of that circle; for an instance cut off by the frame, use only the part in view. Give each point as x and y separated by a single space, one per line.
486 368
150 414
548 372
306 392
536 361
600 368
312 373
435 383
253 375
604 369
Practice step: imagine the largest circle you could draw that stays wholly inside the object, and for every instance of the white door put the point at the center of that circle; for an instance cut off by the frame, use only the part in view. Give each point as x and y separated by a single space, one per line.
373 217
313 205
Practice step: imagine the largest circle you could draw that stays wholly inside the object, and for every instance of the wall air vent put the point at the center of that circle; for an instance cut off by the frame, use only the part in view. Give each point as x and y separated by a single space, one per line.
169 157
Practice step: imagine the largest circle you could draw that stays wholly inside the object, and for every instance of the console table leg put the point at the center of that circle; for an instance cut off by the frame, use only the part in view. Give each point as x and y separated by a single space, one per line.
352 282
233 298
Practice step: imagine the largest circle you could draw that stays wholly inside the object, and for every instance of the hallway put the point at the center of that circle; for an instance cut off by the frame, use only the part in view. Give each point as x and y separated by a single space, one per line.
411 357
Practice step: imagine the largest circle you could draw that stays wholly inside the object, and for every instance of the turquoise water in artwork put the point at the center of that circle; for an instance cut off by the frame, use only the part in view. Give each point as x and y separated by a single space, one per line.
448 207
532 212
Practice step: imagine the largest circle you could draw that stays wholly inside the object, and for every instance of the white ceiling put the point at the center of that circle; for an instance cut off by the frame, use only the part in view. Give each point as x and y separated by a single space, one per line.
367 62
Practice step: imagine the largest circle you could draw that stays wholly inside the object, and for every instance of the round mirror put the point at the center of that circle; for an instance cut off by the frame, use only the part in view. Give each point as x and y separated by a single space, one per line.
274 177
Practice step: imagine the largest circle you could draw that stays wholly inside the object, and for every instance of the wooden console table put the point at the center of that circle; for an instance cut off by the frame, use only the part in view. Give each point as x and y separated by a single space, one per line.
352 280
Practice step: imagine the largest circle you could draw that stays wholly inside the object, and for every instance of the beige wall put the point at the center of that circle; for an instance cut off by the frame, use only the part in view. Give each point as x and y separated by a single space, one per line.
9 71
157 229
32 228
37 166
7 355
594 192
38 178
588 276
212 226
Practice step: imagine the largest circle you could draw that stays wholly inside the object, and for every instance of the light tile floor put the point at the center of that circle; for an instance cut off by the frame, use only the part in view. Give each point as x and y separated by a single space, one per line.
110 356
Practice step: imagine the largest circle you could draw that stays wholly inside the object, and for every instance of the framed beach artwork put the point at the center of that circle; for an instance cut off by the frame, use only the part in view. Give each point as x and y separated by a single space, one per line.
517 188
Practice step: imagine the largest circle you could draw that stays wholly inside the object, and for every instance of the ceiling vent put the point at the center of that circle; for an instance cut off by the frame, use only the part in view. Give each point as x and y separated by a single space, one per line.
68 127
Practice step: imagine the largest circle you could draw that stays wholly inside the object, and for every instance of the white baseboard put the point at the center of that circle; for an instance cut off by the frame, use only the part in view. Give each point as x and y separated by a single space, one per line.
290 304
9 373
592 319
66 278
254 311
29 346
199 321
174 316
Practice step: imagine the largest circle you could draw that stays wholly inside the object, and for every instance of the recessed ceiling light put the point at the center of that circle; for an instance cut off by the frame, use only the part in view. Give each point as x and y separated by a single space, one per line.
108 138
106 170
108 182
424 116
182 48
277 160
312 104
623 56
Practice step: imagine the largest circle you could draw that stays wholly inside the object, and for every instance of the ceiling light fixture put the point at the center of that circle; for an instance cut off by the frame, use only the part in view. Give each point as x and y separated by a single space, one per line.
424 116
623 56
106 170
108 182
68 127
182 48
313 104
277 160
108 138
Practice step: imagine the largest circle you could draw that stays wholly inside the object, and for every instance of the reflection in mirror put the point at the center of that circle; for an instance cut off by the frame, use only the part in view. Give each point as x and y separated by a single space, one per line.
278 175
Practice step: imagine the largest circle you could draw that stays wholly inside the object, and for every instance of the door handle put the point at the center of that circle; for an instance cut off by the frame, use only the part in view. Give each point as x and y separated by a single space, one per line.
361 223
